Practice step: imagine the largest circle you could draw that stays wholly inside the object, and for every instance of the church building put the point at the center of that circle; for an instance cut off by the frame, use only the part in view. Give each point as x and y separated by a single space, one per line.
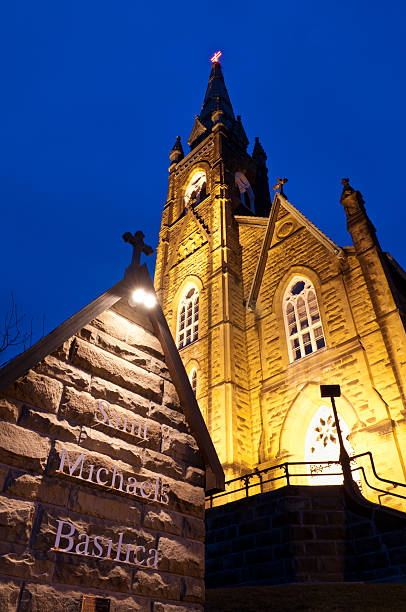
264 308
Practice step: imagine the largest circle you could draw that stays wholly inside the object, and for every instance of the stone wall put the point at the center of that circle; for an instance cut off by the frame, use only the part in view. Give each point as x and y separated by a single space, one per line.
303 534
102 485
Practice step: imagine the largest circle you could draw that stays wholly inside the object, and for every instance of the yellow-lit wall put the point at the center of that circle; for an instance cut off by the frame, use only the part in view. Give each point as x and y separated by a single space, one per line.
256 403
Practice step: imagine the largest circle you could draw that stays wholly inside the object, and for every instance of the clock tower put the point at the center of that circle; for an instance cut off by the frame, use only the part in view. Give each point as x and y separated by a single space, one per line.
199 266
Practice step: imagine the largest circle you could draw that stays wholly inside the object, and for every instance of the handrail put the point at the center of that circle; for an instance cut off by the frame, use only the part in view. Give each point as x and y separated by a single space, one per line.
287 475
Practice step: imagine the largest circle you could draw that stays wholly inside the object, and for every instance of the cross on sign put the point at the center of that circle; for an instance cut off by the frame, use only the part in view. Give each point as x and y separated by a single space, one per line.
137 242
215 57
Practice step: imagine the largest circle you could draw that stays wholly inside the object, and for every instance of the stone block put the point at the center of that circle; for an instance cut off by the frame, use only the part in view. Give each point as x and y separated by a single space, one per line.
37 390
103 444
193 528
37 488
79 571
9 410
193 590
181 556
20 562
195 476
16 519
156 585
48 424
124 511
64 371
171 398
180 445
186 498
23 448
132 333
9 593
160 519
116 370
167 416
162 464
103 389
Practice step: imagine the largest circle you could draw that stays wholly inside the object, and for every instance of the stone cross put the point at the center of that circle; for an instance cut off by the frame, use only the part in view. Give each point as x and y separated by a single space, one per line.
137 242
279 185
215 57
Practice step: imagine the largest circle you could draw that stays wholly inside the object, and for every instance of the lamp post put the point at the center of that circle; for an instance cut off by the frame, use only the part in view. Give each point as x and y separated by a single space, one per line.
333 391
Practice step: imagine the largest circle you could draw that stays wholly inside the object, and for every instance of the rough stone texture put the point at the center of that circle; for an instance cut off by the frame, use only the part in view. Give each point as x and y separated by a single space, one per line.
181 556
48 424
54 408
154 584
9 410
9 593
16 518
64 371
23 448
304 534
117 370
37 390
162 607
39 488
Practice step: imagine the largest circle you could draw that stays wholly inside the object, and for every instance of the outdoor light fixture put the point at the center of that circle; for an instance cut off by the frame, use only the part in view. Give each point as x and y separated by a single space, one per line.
140 296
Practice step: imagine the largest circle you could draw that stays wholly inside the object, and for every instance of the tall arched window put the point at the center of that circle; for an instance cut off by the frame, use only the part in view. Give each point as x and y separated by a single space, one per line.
246 194
193 379
302 319
188 318
196 189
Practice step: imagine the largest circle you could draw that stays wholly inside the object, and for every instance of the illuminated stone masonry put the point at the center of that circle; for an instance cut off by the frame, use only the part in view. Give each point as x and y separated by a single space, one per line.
102 482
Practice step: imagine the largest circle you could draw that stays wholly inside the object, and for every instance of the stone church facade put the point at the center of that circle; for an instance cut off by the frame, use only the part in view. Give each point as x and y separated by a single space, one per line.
264 308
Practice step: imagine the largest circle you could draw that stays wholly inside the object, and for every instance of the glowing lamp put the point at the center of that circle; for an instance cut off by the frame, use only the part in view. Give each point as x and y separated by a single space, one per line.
140 296
215 57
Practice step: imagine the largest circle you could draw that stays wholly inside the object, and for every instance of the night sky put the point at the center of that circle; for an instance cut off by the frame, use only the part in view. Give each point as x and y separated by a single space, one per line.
93 95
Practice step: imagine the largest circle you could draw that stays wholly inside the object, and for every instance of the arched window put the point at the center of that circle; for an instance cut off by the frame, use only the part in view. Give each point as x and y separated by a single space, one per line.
188 318
193 380
196 189
246 194
302 319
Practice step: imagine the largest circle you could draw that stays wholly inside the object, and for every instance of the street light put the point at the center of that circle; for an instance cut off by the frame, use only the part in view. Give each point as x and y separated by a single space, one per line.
146 298
333 391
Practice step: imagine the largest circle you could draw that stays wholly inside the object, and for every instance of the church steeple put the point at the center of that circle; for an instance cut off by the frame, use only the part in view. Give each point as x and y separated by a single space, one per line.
216 97
216 108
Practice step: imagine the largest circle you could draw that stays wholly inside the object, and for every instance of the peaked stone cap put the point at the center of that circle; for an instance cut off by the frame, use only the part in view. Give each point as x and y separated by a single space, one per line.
216 107
216 97
117 297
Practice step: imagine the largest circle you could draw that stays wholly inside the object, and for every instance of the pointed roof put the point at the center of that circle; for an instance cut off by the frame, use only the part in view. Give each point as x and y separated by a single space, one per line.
216 108
281 200
216 97
116 295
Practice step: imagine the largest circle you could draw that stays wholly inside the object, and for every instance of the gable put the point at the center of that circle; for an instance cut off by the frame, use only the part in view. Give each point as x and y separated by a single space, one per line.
121 355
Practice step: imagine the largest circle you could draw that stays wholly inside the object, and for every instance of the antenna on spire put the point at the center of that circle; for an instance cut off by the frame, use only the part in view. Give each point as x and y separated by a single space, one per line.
215 57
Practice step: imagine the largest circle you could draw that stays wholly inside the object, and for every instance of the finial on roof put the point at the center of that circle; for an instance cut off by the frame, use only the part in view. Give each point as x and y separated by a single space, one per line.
351 199
137 242
215 57
176 153
279 185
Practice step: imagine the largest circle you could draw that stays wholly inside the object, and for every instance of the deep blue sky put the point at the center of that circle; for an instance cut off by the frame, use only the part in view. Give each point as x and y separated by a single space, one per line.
95 93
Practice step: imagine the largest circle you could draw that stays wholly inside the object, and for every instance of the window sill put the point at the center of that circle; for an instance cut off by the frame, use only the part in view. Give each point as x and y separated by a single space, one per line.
307 357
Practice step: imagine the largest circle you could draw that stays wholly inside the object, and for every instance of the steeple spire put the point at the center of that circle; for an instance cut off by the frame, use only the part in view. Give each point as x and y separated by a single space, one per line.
216 108
216 97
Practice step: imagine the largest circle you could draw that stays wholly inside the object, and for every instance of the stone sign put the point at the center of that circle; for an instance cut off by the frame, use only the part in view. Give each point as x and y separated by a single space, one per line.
102 475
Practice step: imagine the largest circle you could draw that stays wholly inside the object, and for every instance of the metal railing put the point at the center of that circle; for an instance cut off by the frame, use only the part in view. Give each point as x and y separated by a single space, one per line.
293 472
